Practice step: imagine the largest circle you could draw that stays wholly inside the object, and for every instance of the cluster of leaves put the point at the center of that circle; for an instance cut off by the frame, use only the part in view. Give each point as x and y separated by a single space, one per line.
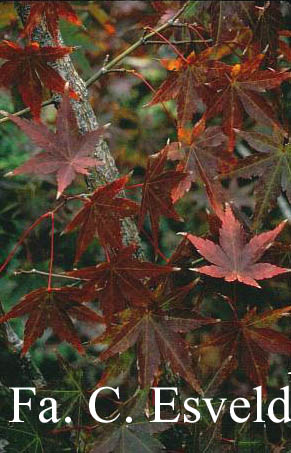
165 313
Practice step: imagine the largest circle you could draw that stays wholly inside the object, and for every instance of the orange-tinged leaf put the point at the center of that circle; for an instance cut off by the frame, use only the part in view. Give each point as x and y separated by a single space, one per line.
185 84
239 88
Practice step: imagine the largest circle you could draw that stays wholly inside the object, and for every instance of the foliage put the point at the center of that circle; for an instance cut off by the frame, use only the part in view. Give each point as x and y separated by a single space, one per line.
200 134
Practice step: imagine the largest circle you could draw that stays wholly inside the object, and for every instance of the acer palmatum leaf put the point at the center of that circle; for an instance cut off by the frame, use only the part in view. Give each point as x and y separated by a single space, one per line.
28 69
119 281
158 187
51 11
52 308
67 151
248 343
101 216
272 164
158 341
131 438
234 258
239 88
185 84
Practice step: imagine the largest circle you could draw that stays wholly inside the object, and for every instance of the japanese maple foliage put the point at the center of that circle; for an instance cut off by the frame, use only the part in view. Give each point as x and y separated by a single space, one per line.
101 217
51 11
52 308
238 88
120 280
28 68
234 258
248 343
157 336
152 304
157 198
272 163
67 151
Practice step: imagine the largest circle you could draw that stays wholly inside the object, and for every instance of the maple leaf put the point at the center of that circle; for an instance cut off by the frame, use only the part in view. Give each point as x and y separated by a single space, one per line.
200 149
119 280
226 16
235 258
157 336
51 11
101 216
28 68
52 309
239 88
272 164
157 192
133 437
185 84
67 150
249 342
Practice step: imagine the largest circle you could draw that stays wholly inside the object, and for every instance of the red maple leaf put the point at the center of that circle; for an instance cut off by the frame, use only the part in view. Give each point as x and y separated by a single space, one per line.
249 342
235 258
28 68
239 88
67 151
185 84
120 281
101 215
157 337
157 191
52 309
51 11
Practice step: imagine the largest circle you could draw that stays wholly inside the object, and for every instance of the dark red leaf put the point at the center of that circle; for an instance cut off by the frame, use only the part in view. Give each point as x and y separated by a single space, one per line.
28 69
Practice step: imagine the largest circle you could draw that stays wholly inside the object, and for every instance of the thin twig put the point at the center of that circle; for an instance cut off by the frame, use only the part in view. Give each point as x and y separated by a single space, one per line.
180 42
46 274
134 46
26 110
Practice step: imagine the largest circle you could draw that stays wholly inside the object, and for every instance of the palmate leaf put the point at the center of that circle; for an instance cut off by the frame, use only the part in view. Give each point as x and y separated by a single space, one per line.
101 215
273 166
28 68
249 342
67 151
119 281
157 192
226 16
157 338
51 11
234 258
239 88
185 84
132 437
200 148
52 308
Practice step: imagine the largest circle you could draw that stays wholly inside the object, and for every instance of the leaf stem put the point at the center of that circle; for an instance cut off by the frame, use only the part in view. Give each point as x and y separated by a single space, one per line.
36 271
52 252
